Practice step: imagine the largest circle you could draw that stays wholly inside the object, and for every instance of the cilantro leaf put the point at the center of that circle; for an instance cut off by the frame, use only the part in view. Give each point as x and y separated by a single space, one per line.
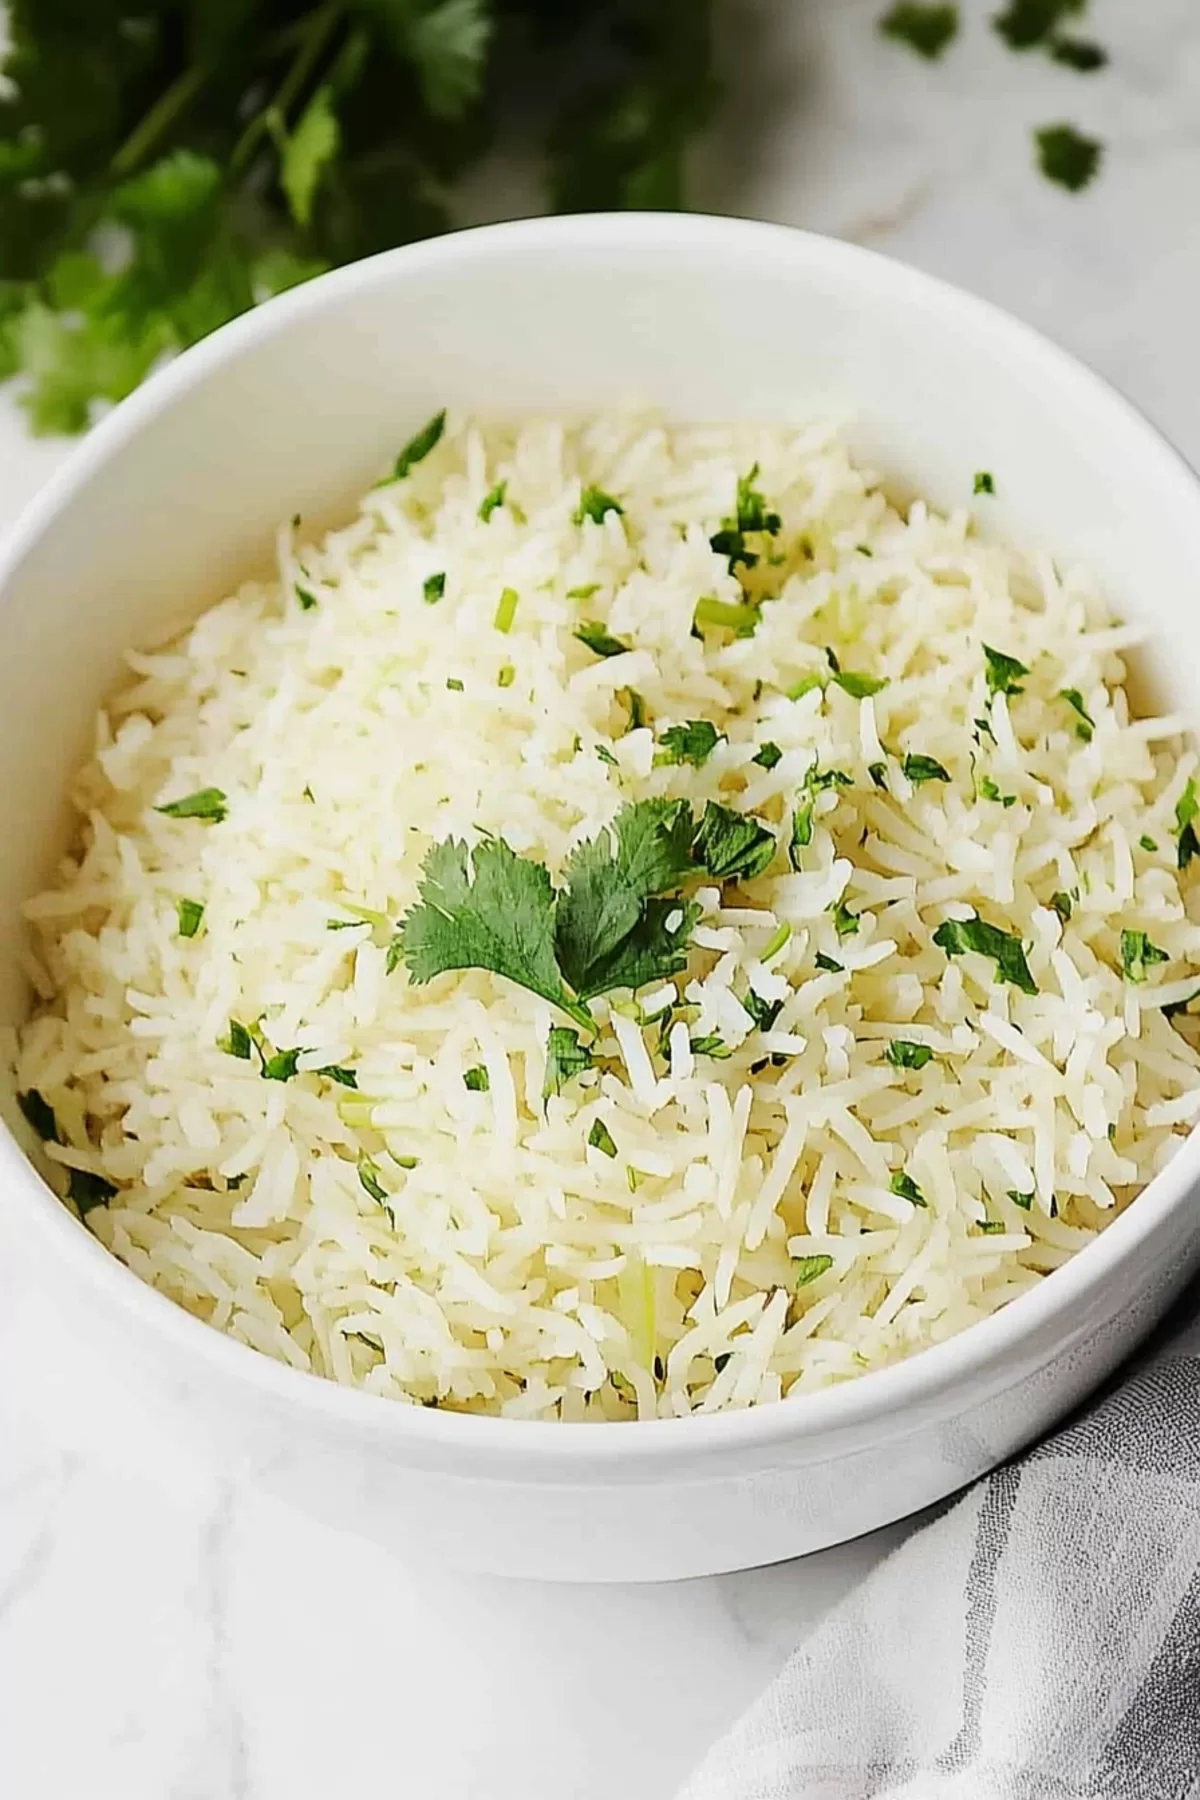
601 1138
88 1190
238 1041
595 504
928 29
306 153
693 742
903 1054
742 618
1086 725
1026 24
654 950
732 845
810 1268
1002 672
305 598
335 1072
1062 905
609 882
566 1057
1066 157
434 587
1186 808
763 1012
985 482
280 1065
597 639
206 803
924 768
907 1189
989 790
1138 954
419 447
40 1115
957 936
487 909
767 756
1024 1201
845 923
859 687
712 1045
494 499
828 964
751 516
477 1079
1079 54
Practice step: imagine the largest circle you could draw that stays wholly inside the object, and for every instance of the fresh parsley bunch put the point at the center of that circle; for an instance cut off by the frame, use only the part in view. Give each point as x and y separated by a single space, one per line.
164 164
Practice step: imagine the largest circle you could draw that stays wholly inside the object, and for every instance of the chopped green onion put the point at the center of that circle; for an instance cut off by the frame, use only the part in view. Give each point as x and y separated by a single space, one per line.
506 610
494 499
206 803
477 1079
190 914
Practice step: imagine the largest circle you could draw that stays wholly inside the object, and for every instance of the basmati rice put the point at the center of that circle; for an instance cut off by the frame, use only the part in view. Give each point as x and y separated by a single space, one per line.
908 1144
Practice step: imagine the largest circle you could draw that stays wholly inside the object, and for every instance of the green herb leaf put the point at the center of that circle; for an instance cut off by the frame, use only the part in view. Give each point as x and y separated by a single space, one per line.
805 686
368 1175
493 500
238 1042
206 803
39 1115
434 588
306 600
713 1046
1148 844
190 914
693 742
957 936
859 687
1138 954
924 768
455 686
906 1188
763 1012
991 1227
1087 725
726 615
606 930
928 29
732 845
477 1079
335 1072
595 504
637 709
1024 1201
990 791
1079 54
767 756
1067 157
598 640
566 1057
583 593
1026 24
810 1268
903 1054
306 154
281 1065
490 909
845 923
600 1138
802 830
419 447
1186 809
751 516
1061 904
878 774
828 965
1002 672
984 482
606 756
88 1190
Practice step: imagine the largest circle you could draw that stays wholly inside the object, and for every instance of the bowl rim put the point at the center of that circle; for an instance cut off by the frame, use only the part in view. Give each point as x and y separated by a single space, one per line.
879 1398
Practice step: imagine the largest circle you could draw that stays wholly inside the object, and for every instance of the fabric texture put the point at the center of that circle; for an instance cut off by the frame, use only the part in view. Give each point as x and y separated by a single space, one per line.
1038 1641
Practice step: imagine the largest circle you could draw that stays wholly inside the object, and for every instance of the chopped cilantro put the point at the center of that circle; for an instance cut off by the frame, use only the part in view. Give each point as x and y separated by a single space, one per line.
1186 808
1138 954
878 774
722 1361
831 657
566 1057
906 1189
238 1042
1061 904
280 1065
506 610
583 593
991 1227
820 779
1147 843
983 728
1066 157
306 599
1002 672
810 1268
777 940
1080 54
368 1175
763 1012
336 1072
751 516
805 686
692 742
903 1054
957 936
926 28
1086 724
595 504
637 709
713 1046
859 687
802 830
454 684
494 499
598 640
845 923
742 618
1027 24
601 1138
828 965
477 1079
418 447
190 914
990 791
767 755
40 1115
88 1190
732 845
1024 1201
611 927
984 482
434 587
606 756
924 768
507 676
206 803
864 549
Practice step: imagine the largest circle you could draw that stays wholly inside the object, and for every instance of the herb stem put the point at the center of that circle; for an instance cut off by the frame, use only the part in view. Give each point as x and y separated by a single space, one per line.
318 27
162 115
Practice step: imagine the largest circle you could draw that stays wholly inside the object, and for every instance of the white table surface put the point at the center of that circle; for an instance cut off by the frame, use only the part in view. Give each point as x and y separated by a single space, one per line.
168 1634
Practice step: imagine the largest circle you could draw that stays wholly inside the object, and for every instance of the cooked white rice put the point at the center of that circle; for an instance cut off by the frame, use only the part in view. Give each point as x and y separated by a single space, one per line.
510 1266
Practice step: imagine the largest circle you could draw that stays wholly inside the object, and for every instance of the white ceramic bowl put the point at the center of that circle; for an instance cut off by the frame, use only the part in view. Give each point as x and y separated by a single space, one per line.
295 408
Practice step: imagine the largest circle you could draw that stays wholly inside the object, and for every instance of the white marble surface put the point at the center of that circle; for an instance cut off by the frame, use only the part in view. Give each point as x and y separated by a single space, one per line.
168 1634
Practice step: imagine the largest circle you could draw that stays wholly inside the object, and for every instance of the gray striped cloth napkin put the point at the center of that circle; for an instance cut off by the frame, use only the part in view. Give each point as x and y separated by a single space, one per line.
1038 1641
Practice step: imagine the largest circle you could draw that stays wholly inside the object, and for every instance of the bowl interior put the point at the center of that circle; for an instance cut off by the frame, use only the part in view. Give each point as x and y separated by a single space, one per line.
297 408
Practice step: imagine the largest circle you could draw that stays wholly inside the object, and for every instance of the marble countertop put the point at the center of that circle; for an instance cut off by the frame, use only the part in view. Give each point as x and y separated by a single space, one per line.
167 1633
